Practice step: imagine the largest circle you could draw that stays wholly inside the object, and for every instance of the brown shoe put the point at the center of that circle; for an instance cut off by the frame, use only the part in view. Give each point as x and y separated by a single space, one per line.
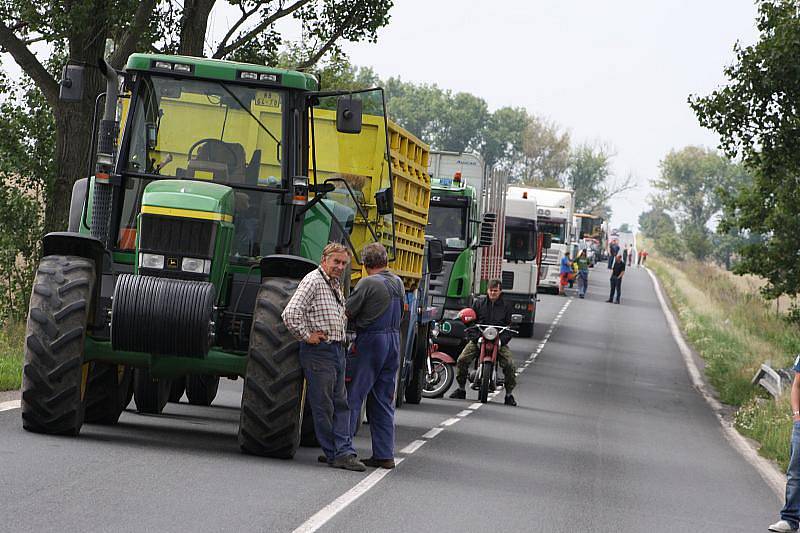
348 462
388 464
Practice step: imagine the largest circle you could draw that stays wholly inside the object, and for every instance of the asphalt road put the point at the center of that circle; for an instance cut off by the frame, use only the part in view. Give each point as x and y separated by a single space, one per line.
609 436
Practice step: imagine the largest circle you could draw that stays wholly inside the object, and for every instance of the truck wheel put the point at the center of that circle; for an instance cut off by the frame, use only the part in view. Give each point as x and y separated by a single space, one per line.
525 330
107 392
417 381
54 374
150 394
201 390
273 398
177 389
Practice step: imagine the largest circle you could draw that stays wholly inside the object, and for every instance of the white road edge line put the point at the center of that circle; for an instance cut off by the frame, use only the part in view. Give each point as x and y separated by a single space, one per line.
335 507
7 406
432 433
771 475
414 446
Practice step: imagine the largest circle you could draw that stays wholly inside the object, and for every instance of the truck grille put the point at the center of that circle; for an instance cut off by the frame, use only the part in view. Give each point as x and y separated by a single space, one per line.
185 237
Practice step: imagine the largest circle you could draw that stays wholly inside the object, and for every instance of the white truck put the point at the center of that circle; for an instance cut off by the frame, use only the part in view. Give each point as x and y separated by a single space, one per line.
555 209
522 250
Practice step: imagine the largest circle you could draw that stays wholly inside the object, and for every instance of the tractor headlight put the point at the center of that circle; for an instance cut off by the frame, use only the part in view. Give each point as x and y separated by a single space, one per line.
450 314
151 261
490 333
196 266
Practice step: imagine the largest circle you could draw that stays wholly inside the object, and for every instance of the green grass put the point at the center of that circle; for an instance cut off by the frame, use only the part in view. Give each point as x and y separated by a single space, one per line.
11 342
734 331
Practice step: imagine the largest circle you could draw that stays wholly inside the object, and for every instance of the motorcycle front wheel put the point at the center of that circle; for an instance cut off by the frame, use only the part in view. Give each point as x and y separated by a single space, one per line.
438 382
486 378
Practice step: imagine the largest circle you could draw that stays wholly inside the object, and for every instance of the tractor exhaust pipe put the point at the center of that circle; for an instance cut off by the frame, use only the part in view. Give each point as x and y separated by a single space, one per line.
103 188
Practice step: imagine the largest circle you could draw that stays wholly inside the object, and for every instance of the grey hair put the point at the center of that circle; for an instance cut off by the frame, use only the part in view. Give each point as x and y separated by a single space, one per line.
374 255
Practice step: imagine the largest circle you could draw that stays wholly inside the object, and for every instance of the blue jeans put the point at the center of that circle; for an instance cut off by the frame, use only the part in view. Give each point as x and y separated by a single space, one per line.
583 282
791 510
324 366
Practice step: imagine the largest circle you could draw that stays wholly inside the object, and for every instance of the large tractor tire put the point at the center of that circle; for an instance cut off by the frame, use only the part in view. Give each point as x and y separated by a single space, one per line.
274 396
201 390
177 389
107 392
150 394
54 374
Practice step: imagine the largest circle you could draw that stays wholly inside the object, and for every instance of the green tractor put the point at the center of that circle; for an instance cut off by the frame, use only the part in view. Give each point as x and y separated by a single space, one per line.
204 209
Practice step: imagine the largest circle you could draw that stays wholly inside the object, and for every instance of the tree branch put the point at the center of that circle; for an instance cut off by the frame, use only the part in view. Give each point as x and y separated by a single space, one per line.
29 63
311 61
222 51
245 15
131 38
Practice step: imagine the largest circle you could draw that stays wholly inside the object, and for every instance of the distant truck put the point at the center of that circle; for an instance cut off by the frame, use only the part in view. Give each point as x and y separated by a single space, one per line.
522 254
554 208
590 235
454 218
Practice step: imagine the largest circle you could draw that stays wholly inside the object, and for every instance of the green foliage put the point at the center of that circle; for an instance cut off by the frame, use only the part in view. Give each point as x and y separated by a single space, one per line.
757 117
670 245
12 339
625 228
545 154
588 174
655 223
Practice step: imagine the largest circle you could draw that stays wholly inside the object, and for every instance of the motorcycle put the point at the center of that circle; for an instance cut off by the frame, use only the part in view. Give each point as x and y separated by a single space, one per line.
484 376
440 369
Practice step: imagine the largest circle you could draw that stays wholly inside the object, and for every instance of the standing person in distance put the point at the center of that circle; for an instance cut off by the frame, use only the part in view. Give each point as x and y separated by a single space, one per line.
375 307
617 271
613 250
315 316
583 273
564 272
790 514
625 254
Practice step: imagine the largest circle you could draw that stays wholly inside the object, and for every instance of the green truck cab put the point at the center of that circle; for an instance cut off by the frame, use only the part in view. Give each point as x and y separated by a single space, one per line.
205 208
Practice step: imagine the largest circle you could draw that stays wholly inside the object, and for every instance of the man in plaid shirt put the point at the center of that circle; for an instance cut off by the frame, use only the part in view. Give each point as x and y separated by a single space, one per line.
315 316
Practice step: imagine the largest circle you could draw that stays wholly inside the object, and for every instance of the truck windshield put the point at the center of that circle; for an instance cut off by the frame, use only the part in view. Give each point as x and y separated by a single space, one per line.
557 229
520 239
448 224
211 131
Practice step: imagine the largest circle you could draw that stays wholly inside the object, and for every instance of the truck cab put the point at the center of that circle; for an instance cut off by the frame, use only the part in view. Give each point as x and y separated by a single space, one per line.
521 255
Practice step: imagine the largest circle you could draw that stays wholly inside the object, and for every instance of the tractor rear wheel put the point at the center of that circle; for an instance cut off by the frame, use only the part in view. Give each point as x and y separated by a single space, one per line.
54 374
273 398
201 390
150 394
107 392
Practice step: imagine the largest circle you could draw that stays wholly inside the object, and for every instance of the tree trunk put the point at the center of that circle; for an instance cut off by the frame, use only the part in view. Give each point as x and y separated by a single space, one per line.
193 27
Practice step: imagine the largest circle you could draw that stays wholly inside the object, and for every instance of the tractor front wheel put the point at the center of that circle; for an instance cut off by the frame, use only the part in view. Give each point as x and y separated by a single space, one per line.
201 390
150 394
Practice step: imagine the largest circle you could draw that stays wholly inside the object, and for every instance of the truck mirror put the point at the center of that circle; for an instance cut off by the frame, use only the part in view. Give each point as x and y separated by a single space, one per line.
348 114
435 256
72 82
151 134
384 201
547 241
487 227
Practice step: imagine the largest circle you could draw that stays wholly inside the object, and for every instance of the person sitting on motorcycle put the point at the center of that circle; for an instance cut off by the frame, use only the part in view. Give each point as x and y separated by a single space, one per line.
489 310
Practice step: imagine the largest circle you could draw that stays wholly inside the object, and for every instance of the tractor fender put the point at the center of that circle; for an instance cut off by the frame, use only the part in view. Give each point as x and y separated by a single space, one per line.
79 191
285 266
80 245
443 357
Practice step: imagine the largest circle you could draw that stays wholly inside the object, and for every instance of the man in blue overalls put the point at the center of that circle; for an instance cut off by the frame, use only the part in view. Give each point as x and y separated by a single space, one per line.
375 308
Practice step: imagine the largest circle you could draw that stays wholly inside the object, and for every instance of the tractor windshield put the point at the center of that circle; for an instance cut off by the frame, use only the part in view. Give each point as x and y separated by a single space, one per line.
213 131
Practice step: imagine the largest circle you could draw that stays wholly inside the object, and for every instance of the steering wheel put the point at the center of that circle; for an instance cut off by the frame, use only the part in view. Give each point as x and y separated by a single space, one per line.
211 140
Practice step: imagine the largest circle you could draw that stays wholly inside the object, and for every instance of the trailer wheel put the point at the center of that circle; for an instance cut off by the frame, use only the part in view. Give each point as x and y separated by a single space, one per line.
150 394
177 389
54 374
271 418
107 392
201 390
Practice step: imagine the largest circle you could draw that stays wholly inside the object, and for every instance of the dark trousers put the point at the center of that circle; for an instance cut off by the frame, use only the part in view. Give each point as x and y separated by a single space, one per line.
616 287
324 365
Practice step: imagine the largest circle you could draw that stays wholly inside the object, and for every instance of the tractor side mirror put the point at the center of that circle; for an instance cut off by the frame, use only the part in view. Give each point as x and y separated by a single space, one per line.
384 201
348 114
435 256
72 83
488 224
547 241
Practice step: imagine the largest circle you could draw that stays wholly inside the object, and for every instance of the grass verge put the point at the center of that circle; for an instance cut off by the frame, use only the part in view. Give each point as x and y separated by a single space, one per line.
734 331
11 342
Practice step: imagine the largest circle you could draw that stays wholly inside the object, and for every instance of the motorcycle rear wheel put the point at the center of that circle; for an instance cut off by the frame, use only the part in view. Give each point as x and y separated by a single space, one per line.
486 378
438 382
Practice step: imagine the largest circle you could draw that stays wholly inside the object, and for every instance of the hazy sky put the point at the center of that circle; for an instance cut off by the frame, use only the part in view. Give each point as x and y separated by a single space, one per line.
617 71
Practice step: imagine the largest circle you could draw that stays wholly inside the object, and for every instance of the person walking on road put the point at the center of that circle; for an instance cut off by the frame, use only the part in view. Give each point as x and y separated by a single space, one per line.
375 307
583 273
315 316
790 514
631 255
644 256
490 310
613 250
564 273
617 271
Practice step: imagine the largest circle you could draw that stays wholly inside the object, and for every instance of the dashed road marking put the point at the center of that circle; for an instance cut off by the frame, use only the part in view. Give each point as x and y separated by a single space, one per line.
432 433
451 421
465 412
414 446
476 405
